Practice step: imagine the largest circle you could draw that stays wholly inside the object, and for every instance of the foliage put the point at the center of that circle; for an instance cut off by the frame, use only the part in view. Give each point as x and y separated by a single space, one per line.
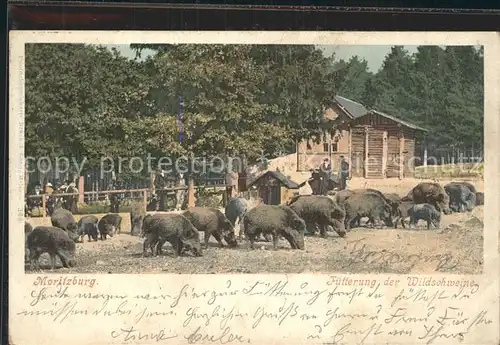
97 208
138 207
206 198
352 78
80 101
440 89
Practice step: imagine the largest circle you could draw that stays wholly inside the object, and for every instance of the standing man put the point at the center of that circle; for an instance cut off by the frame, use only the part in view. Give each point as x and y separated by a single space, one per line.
326 174
72 200
232 184
48 189
50 201
114 198
160 184
343 173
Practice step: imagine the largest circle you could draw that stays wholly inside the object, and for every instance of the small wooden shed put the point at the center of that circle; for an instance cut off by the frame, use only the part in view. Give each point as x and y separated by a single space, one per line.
274 187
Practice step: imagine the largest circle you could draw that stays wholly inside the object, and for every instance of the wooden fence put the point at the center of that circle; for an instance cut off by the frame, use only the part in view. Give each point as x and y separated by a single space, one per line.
221 188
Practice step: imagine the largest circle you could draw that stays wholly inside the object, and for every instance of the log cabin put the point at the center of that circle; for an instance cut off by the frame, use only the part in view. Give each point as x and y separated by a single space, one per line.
375 144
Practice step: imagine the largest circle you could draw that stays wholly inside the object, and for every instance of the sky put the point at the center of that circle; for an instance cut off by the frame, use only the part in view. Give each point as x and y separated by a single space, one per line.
373 54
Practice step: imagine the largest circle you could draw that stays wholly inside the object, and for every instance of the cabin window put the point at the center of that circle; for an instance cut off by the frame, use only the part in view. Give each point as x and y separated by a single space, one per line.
335 146
325 147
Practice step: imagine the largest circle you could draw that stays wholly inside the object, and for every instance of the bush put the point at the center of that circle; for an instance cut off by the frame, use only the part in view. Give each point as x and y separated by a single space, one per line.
93 208
100 208
138 207
36 212
205 198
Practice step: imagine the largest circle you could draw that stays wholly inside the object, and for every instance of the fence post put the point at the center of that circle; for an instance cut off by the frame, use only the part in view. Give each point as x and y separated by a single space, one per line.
44 206
81 189
191 200
152 179
226 196
145 200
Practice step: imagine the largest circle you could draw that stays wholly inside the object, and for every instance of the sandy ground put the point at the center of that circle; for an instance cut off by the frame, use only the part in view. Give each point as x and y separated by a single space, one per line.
457 247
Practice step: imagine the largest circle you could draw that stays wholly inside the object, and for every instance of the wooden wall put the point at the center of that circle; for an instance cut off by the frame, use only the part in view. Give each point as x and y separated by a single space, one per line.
357 161
409 152
380 129
374 163
393 143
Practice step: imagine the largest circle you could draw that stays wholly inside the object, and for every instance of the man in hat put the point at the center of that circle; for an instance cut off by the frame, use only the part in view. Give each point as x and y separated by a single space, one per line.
343 173
48 189
114 198
72 200
50 200
160 183
326 174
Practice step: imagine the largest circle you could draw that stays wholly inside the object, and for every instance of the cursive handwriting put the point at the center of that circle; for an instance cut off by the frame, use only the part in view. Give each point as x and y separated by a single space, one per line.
359 254
189 292
131 334
347 309
401 316
373 330
57 312
337 292
430 297
226 337
217 312
279 289
435 332
453 318
146 313
283 312
42 295
337 314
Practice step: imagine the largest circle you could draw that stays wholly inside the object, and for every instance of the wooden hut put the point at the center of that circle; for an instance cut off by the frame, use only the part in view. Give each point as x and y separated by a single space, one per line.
274 187
375 144
381 146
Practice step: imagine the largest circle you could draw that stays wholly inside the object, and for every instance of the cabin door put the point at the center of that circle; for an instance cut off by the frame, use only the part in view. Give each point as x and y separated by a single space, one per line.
274 195
270 195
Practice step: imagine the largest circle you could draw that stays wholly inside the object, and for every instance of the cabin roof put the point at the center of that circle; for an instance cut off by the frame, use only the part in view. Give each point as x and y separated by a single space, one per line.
280 177
404 123
354 109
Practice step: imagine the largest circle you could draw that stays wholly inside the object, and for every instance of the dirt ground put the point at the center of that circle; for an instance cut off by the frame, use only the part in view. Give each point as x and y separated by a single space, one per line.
457 247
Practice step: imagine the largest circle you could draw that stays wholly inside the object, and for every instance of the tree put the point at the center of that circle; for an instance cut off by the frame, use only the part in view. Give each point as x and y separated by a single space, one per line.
299 84
241 99
352 78
393 84
79 100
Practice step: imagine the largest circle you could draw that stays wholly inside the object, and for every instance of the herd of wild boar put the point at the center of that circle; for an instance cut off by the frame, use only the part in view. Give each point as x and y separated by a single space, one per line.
303 213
